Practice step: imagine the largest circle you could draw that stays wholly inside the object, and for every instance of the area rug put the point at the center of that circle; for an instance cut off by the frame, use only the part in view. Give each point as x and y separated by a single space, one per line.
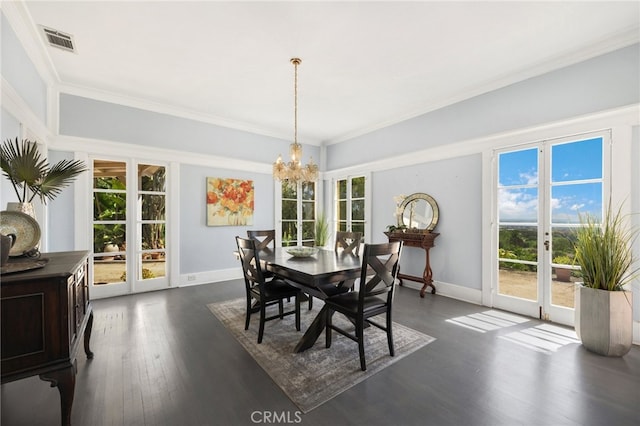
316 375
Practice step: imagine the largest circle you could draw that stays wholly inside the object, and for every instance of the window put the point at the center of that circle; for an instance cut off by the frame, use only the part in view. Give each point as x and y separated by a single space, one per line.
350 204
298 213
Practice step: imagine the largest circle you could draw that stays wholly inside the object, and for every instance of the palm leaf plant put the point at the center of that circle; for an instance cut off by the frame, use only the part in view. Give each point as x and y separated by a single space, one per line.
604 251
31 175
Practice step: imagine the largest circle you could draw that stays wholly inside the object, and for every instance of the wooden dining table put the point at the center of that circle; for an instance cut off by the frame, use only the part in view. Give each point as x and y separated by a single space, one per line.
322 275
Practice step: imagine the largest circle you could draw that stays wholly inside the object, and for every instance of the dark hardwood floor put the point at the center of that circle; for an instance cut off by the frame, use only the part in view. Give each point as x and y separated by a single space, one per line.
162 358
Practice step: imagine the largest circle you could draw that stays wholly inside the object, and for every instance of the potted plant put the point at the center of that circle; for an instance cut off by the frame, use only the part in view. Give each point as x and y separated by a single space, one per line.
321 231
604 319
31 175
563 274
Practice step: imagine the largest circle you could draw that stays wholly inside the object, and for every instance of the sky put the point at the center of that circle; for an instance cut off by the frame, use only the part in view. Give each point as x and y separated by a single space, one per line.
575 178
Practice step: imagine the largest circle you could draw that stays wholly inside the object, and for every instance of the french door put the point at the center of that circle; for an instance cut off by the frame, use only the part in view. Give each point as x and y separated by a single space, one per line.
128 227
540 192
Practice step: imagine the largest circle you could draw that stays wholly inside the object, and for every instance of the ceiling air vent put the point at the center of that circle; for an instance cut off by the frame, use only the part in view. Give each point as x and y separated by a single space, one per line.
59 39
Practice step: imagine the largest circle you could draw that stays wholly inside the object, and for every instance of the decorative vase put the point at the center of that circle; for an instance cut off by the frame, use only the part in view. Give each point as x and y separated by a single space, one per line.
26 208
110 248
606 321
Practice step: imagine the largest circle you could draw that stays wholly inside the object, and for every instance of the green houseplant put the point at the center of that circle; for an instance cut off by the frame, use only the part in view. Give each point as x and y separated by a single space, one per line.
603 250
321 231
31 175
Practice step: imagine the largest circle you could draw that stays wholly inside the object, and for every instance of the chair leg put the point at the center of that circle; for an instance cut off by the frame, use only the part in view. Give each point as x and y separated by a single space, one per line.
298 313
281 308
360 336
248 317
263 315
327 326
310 302
390 334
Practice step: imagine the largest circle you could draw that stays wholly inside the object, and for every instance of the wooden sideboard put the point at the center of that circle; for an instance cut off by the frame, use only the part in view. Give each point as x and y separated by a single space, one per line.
45 312
423 240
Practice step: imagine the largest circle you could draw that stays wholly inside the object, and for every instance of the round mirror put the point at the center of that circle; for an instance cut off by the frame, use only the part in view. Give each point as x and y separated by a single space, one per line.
419 212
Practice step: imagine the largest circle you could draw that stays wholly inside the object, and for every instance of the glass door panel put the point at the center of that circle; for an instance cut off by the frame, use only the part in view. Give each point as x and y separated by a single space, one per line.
518 224
151 199
109 222
541 192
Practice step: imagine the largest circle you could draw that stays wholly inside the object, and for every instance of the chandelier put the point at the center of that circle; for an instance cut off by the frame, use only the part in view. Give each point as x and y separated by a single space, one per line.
294 171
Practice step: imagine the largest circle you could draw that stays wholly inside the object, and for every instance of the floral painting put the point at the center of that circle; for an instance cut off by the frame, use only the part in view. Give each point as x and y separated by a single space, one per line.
229 202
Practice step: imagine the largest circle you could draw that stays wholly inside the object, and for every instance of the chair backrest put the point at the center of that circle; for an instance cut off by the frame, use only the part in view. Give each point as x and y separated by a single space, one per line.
263 238
250 259
348 242
379 269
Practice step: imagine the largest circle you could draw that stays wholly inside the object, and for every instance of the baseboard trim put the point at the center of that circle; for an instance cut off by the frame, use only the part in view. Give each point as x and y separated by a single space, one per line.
453 291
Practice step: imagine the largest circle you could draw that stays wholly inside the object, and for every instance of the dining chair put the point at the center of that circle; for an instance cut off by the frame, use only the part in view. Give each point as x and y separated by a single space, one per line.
264 238
348 242
374 297
264 292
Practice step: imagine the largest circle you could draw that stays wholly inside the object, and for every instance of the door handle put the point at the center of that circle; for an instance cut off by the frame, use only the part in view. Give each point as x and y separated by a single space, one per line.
546 245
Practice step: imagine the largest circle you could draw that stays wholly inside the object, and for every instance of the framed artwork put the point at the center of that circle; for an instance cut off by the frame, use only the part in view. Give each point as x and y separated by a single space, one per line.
229 202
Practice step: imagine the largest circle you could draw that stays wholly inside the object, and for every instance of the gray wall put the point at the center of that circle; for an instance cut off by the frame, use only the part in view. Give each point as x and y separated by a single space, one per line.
94 119
206 248
20 72
455 184
600 83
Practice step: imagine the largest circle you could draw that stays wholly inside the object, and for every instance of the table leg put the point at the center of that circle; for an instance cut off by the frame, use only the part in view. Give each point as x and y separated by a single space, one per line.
65 381
314 331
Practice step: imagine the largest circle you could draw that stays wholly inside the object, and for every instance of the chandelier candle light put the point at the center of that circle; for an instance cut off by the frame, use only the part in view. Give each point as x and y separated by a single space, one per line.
293 171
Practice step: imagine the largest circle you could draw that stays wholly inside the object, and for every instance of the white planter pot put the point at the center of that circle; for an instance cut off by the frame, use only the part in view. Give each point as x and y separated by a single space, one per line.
605 323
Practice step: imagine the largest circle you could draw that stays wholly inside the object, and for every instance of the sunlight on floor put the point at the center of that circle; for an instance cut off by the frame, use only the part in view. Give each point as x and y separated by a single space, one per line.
543 338
487 321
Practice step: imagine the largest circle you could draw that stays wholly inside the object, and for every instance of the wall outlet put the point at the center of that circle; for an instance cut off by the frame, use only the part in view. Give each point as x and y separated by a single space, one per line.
191 277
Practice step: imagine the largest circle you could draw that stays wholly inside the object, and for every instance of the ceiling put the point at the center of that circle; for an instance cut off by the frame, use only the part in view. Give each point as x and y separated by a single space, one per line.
365 65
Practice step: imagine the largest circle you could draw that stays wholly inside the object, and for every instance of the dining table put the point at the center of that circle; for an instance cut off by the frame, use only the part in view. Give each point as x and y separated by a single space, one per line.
321 275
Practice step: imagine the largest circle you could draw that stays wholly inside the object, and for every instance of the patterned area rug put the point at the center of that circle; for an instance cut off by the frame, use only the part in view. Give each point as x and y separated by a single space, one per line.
313 377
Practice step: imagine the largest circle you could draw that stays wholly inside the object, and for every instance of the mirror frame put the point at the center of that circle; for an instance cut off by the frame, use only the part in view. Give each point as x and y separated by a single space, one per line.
419 196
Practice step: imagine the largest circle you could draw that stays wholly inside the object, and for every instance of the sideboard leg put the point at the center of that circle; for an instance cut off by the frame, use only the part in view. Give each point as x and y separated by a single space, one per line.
87 336
65 381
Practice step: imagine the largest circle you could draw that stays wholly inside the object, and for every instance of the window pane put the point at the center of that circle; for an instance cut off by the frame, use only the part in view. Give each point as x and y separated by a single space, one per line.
342 226
289 233
518 168
108 234
308 191
109 174
153 266
153 236
289 190
307 230
358 227
342 189
308 210
357 187
569 201
577 160
152 178
342 210
289 209
109 206
357 210
153 207
518 205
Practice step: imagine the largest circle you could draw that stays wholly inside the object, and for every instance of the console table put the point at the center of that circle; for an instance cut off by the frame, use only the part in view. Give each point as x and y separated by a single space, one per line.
424 240
44 314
